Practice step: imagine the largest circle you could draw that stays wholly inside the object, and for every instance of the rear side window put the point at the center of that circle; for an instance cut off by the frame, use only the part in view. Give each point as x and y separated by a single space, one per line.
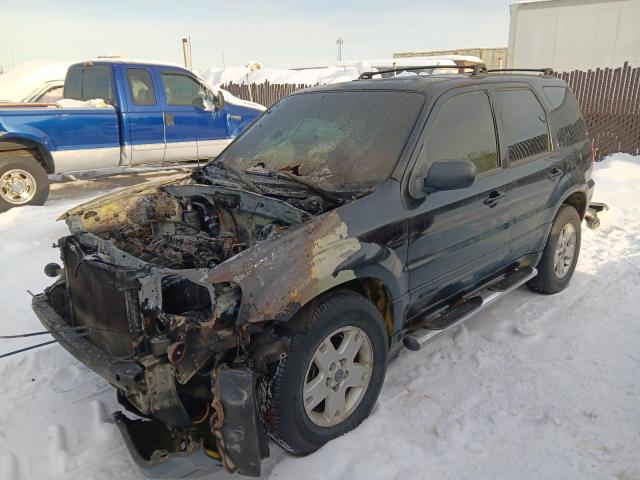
181 90
525 123
51 96
565 113
87 83
141 86
464 130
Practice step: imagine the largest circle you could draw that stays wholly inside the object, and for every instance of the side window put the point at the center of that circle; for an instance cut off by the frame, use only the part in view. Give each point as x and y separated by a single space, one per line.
87 83
565 113
464 130
51 96
141 86
181 89
525 123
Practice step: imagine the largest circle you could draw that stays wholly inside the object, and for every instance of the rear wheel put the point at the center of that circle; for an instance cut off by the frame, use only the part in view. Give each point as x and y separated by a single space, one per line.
331 377
23 181
560 254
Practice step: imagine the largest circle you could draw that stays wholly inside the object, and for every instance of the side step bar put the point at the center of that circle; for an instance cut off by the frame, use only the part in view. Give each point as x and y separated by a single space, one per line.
434 326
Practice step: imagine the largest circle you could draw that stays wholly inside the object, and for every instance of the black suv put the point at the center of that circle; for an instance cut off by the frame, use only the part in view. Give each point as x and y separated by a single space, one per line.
262 295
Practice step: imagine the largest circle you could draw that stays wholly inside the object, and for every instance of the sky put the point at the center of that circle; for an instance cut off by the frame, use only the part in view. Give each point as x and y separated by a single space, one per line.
272 32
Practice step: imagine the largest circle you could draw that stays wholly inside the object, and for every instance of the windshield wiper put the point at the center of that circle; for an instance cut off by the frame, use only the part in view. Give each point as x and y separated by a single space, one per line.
238 174
325 193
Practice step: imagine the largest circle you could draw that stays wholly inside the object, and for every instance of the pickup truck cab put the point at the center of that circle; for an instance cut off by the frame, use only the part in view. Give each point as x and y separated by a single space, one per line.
151 113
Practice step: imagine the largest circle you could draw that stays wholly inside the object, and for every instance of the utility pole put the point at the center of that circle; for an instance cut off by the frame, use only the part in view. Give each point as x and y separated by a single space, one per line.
339 42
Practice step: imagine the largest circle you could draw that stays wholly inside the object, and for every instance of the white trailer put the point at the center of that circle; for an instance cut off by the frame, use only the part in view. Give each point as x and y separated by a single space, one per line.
574 34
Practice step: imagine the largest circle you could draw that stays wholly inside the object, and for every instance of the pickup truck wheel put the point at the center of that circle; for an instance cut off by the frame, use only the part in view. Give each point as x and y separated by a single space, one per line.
22 182
560 254
331 377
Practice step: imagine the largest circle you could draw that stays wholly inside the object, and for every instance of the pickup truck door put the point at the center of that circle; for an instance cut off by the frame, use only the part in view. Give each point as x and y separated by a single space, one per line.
185 119
458 237
146 120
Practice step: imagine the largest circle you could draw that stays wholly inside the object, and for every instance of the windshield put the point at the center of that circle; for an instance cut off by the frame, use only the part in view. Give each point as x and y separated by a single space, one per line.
336 140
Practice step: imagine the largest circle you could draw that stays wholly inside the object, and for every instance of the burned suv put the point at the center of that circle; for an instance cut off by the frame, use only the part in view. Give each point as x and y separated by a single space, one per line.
261 296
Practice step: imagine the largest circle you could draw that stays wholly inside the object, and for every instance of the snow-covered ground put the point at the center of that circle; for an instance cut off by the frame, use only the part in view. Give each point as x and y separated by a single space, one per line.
534 387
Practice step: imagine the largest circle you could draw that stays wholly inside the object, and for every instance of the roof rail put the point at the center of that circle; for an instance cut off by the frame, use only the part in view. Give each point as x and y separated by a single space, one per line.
476 69
544 71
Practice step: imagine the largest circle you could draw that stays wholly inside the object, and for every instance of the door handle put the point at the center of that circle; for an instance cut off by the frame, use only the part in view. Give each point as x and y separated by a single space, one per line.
494 198
555 173
168 119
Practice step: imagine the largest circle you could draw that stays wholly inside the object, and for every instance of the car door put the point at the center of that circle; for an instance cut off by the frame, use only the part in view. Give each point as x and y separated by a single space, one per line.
213 139
458 237
146 120
184 116
532 163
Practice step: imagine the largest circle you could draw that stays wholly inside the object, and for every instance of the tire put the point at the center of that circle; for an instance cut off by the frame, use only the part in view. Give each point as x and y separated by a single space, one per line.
553 276
23 181
286 417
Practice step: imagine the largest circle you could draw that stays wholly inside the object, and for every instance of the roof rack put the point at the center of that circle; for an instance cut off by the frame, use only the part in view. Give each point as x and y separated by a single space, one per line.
476 69
544 71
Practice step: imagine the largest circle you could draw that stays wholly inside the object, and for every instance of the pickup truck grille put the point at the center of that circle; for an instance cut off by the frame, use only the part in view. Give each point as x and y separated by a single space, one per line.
97 299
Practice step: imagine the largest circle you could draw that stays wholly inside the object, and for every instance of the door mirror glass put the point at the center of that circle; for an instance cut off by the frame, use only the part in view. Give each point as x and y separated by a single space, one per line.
220 98
449 175
198 102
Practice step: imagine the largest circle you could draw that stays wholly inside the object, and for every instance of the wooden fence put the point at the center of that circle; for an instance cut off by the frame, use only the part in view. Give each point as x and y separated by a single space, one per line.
609 98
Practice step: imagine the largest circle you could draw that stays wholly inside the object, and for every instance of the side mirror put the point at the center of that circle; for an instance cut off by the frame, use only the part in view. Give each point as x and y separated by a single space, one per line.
449 175
220 98
199 103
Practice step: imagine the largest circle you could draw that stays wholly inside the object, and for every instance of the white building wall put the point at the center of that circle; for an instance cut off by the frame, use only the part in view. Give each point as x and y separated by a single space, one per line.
574 34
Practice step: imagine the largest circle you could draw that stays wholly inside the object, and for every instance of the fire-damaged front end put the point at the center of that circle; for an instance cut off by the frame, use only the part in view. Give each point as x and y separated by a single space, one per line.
162 293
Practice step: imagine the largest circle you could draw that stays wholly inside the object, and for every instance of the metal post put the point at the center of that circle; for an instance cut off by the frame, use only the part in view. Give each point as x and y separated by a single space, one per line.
339 42
186 52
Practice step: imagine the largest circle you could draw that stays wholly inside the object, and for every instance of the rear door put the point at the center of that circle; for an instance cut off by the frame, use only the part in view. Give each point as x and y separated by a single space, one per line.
458 237
146 120
532 163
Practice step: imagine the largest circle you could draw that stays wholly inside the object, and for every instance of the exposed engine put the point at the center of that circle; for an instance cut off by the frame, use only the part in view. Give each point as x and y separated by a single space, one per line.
197 226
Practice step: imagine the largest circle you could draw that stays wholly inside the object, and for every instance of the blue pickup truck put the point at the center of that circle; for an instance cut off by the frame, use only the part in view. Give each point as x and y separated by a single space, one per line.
150 113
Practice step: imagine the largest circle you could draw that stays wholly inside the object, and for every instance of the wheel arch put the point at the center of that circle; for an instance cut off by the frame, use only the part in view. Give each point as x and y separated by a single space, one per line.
10 143
372 288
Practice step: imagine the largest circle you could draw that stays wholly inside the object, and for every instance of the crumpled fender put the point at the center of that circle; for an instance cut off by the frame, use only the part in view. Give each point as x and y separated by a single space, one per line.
279 276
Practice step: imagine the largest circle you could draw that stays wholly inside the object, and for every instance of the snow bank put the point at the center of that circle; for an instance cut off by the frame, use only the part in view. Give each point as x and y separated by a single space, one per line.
20 81
535 387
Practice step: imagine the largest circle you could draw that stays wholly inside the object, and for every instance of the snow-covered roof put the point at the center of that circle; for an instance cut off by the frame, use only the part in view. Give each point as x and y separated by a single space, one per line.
20 81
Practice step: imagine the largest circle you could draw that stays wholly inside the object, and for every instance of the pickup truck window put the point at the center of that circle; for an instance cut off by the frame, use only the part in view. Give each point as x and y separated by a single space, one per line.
337 140
525 123
89 82
51 96
565 113
464 130
141 86
181 90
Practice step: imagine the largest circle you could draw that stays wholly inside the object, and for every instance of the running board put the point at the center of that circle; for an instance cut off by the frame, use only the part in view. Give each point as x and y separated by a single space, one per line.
468 308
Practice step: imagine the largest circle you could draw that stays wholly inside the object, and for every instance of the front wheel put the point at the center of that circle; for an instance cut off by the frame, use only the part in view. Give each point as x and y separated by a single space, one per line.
560 254
332 375
22 181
